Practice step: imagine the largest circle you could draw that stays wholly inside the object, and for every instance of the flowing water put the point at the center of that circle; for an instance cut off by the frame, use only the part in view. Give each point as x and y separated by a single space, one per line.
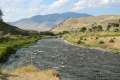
73 63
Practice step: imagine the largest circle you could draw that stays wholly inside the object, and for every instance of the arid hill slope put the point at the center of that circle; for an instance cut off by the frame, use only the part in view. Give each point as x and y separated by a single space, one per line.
76 23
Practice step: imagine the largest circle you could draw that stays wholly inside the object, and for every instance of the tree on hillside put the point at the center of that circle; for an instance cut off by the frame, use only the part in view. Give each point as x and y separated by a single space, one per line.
116 30
83 29
108 27
119 20
99 28
1 14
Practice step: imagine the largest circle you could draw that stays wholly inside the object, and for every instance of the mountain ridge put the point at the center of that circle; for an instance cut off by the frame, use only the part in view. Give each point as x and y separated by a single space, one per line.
45 22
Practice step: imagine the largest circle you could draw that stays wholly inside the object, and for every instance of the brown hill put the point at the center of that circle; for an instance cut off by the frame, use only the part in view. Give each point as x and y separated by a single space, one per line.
76 23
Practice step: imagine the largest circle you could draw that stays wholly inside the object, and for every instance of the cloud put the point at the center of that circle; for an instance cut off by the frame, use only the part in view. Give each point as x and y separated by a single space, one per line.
55 6
17 9
82 4
115 3
11 8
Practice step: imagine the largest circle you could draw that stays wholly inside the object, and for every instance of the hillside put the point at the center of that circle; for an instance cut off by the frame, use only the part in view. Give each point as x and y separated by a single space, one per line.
102 32
45 22
8 29
88 22
11 38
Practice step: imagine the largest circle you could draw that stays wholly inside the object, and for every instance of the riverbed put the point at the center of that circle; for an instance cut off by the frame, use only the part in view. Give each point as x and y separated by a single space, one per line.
72 62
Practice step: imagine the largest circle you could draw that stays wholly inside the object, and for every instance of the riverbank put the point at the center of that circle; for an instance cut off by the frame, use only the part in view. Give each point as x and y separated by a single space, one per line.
106 41
30 72
9 45
83 46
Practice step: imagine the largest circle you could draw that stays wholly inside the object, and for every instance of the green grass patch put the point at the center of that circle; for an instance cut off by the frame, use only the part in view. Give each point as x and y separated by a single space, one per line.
9 45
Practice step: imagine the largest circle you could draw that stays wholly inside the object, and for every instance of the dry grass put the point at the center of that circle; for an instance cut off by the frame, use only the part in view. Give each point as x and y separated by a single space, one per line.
104 40
32 73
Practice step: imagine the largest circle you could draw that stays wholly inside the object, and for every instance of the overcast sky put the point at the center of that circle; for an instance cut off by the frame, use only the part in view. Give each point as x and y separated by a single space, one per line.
17 9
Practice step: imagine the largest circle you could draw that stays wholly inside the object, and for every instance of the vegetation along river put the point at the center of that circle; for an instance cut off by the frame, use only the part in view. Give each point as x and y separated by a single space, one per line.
73 63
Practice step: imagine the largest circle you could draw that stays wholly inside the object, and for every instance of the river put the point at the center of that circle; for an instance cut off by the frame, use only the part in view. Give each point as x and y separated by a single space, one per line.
73 63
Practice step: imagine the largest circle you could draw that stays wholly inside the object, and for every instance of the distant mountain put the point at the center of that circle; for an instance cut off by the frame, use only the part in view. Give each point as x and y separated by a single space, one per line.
45 22
88 22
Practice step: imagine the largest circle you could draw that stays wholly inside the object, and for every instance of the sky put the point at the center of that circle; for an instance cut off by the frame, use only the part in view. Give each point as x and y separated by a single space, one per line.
18 9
